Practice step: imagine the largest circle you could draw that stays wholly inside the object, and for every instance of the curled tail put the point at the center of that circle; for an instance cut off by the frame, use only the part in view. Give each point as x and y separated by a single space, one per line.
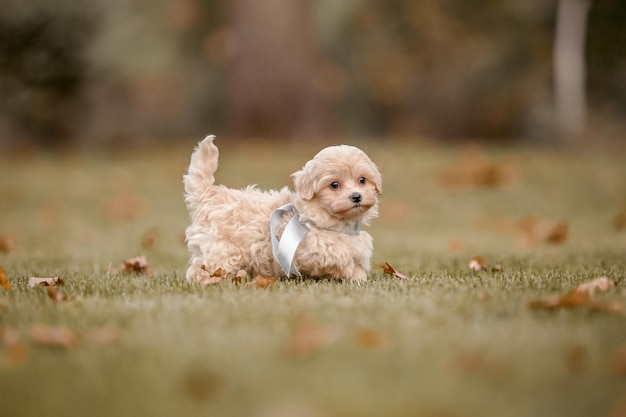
199 177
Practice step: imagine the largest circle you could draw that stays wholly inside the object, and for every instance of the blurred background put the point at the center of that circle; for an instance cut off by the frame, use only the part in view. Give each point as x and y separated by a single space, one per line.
125 72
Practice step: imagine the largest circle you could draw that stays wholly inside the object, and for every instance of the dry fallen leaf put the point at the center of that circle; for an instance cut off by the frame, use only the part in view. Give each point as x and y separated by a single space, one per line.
570 300
136 265
618 361
480 364
239 276
619 221
477 263
16 351
8 244
124 206
309 337
535 230
58 296
106 336
372 338
202 385
150 238
475 170
261 282
576 359
578 298
53 337
558 234
35 282
388 269
214 277
601 284
4 280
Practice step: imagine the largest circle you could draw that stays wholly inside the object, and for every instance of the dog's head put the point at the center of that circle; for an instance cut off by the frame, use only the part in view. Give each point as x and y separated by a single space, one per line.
342 182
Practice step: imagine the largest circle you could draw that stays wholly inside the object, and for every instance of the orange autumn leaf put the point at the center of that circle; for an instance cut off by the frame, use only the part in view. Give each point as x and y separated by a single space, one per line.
45 282
558 234
477 263
261 282
619 221
150 238
16 350
201 385
481 364
618 361
214 277
570 300
8 244
4 280
240 275
372 338
124 206
388 269
53 336
579 297
136 265
475 170
55 295
106 336
309 337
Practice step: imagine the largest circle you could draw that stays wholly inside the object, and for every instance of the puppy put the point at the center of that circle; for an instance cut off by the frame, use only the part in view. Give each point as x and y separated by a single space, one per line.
335 194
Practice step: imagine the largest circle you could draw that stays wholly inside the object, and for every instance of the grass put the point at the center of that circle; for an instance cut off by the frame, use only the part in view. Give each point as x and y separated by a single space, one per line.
446 342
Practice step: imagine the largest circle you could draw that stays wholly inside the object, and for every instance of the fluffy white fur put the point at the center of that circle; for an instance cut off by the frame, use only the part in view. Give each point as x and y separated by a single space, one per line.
334 192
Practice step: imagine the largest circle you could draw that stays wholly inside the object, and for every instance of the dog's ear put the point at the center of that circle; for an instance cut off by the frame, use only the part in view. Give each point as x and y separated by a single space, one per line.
378 183
304 184
377 178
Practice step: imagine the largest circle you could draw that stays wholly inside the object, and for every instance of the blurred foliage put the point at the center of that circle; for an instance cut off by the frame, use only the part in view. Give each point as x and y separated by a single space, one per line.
129 70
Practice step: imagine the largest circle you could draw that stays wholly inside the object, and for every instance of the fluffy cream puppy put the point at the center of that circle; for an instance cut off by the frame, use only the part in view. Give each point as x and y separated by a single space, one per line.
335 193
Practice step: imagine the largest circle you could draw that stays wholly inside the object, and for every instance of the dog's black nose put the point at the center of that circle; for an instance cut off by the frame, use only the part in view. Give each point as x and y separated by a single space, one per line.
355 197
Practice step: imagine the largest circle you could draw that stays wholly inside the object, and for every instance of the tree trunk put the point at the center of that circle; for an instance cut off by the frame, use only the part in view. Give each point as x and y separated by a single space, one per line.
271 90
569 68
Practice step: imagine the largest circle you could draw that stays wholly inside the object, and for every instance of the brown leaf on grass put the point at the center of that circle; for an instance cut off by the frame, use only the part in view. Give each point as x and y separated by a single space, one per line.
124 206
44 282
477 263
558 234
570 300
150 238
8 244
16 350
136 265
4 280
261 282
480 364
617 362
309 337
475 170
214 277
372 338
201 385
574 299
106 336
239 276
600 284
535 230
390 270
57 296
53 336
619 221
576 358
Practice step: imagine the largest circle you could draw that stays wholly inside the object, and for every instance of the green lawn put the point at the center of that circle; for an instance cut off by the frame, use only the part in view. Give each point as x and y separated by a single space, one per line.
448 341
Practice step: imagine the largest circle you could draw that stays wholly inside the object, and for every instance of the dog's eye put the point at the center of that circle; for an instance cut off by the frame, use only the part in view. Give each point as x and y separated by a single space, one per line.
334 185
362 180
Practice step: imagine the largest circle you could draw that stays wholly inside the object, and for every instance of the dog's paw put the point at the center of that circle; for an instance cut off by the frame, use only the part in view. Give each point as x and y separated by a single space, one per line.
359 277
